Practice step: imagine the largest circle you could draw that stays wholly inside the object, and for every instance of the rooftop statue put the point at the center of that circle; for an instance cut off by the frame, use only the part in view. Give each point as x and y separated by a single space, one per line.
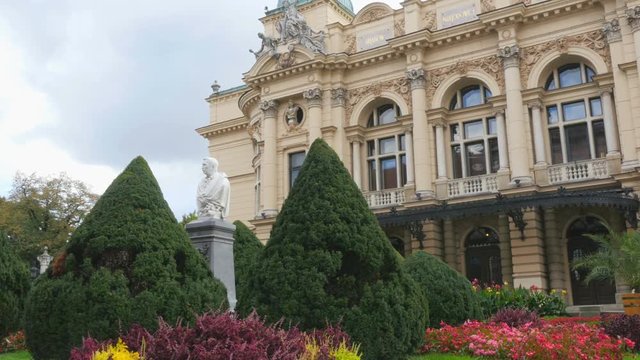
293 27
268 46
213 191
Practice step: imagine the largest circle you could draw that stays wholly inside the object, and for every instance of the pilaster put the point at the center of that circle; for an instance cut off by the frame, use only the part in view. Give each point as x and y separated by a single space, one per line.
314 117
528 253
269 160
421 146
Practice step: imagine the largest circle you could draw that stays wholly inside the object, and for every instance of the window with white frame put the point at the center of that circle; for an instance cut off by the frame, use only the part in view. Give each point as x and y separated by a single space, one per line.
474 147
387 162
576 130
469 96
574 119
384 114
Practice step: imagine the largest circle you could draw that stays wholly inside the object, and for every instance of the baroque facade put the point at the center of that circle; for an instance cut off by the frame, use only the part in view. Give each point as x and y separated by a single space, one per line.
492 134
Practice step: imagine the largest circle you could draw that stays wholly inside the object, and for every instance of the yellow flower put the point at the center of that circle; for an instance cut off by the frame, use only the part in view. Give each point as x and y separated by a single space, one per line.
117 352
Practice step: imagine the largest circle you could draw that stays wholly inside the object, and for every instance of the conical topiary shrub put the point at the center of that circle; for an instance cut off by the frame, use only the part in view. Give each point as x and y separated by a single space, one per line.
451 296
246 249
328 260
14 285
129 262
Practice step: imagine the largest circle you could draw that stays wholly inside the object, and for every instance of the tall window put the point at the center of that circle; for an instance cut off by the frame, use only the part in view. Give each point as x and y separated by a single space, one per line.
384 114
574 121
469 96
474 147
387 163
295 164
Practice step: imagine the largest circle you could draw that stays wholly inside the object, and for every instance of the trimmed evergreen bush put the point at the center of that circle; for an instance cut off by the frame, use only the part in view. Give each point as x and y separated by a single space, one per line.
246 249
328 260
14 285
451 297
129 262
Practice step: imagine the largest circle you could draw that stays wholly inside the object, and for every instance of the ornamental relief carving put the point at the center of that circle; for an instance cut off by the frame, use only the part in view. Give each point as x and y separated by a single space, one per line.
490 65
371 15
429 20
487 5
594 40
399 86
350 45
399 27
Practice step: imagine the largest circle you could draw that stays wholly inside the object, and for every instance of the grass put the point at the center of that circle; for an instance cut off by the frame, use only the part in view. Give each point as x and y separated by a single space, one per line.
20 355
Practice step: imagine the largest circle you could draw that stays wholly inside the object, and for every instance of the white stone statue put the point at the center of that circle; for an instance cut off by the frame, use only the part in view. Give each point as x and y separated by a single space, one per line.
213 191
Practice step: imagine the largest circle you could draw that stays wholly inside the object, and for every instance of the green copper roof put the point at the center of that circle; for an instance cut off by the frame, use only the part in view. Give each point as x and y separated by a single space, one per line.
346 4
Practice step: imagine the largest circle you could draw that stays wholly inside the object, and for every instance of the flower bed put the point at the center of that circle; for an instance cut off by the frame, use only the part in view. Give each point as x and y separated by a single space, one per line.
568 340
220 337
13 342
494 297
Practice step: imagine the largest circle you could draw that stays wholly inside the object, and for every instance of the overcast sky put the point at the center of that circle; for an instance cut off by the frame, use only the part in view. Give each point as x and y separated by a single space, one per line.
87 85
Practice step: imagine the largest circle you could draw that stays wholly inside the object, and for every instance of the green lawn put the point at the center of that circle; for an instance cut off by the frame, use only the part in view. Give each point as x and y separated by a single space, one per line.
20 355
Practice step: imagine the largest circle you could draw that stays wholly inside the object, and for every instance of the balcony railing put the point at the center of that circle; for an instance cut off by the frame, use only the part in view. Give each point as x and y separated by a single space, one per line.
389 197
578 171
473 185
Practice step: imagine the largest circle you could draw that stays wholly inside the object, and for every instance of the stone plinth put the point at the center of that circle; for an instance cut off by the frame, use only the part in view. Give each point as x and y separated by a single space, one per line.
213 238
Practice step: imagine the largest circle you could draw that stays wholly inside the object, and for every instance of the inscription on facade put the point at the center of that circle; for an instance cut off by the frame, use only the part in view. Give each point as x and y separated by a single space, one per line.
457 15
374 38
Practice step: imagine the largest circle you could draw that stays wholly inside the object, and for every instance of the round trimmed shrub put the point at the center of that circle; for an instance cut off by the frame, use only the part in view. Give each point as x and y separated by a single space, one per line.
129 262
450 295
246 249
14 285
328 261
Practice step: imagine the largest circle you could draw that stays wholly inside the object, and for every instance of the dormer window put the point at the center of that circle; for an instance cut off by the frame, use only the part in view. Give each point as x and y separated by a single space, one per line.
470 96
569 75
384 114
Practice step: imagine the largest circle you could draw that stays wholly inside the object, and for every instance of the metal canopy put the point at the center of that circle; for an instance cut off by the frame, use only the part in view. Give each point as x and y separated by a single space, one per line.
622 200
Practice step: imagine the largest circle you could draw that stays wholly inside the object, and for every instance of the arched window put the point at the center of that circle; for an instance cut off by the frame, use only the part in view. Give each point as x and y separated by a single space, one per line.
574 120
384 114
569 75
469 96
474 147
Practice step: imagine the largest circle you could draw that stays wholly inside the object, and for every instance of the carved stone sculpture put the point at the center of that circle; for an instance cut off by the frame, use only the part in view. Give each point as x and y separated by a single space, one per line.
268 46
213 191
292 115
293 28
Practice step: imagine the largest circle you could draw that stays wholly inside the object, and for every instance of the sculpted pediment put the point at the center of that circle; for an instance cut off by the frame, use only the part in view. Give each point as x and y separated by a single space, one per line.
372 12
284 57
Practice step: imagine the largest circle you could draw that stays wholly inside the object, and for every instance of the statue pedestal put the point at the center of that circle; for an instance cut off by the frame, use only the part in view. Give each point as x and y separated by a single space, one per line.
213 238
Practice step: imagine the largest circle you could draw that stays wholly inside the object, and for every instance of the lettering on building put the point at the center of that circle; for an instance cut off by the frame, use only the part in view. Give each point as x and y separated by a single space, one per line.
372 39
457 15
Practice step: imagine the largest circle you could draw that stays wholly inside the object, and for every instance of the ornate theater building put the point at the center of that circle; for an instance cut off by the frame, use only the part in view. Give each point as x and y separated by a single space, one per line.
493 134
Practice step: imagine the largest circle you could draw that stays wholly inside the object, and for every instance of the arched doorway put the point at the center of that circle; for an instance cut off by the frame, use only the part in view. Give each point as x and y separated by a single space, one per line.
483 256
578 245
397 244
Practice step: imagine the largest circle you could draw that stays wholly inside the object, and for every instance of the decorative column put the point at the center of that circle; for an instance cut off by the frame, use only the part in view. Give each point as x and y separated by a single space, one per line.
408 141
441 150
516 129
503 150
269 160
355 159
314 117
338 103
610 126
624 119
633 18
421 147
554 251
450 256
506 261
538 136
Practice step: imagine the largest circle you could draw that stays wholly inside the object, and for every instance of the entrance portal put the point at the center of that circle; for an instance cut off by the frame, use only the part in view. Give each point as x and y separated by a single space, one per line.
483 256
579 245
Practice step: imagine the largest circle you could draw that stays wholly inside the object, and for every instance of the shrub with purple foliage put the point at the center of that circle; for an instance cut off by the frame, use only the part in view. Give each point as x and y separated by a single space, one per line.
220 336
622 325
516 317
